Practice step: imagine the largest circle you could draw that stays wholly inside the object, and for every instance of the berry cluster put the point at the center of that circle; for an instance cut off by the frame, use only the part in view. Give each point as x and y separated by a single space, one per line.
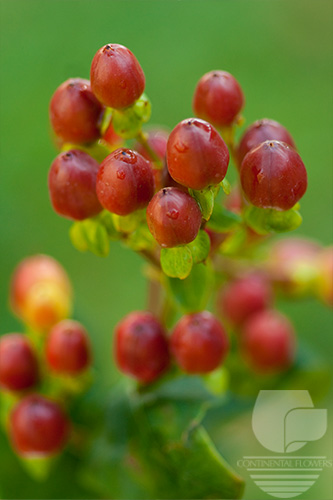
159 193
37 369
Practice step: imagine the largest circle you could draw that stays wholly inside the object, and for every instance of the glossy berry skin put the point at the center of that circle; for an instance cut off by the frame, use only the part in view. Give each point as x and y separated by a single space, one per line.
268 342
218 98
173 217
117 79
40 291
38 427
125 182
75 113
141 347
67 348
72 185
199 343
197 156
273 176
18 363
157 141
243 297
261 131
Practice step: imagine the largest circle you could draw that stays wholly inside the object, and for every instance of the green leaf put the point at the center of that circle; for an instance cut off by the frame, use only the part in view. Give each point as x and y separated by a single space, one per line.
205 199
222 220
192 294
176 262
200 247
268 220
234 243
90 235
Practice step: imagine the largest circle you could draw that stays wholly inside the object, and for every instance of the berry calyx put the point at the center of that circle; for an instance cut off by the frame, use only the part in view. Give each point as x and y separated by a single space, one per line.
75 113
218 98
241 298
117 79
18 363
261 131
125 182
197 156
268 342
38 426
67 348
141 347
199 343
273 176
72 185
173 217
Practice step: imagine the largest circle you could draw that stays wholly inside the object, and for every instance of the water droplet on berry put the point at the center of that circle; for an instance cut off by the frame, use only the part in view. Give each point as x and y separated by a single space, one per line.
121 174
173 214
260 176
181 147
123 84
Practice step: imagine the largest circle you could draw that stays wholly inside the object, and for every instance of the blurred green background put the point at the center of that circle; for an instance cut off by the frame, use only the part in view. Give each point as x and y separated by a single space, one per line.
280 52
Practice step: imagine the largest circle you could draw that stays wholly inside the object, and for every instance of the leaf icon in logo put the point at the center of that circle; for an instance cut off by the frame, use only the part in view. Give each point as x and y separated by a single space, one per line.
303 425
269 419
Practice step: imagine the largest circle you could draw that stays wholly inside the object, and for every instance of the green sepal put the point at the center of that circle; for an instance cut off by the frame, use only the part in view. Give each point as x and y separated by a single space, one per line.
38 467
176 262
128 122
269 220
235 242
106 219
205 199
141 239
127 223
222 220
90 235
96 150
217 381
226 186
200 247
192 294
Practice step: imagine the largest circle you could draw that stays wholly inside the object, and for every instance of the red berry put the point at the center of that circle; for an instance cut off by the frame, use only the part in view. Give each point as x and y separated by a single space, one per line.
199 343
273 176
38 426
218 98
72 185
141 346
67 348
325 275
75 113
197 156
40 291
18 363
173 217
241 298
261 131
125 182
112 138
33 270
286 260
268 342
117 79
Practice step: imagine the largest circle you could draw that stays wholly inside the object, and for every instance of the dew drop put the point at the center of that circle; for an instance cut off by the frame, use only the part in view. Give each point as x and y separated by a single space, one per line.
181 147
173 214
260 176
121 174
122 84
